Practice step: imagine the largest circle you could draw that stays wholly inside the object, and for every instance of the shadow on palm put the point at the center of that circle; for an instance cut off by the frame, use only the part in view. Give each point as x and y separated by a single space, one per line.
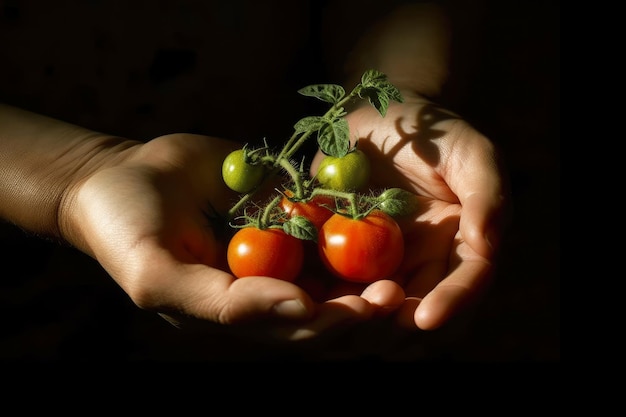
405 149
406 154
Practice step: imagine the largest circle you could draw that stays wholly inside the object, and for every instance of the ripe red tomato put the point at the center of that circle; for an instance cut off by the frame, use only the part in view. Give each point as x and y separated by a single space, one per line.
361 250
265 252
313 209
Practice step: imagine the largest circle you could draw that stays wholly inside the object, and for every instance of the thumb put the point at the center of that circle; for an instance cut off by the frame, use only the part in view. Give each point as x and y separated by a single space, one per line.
484 199
482 222
180 290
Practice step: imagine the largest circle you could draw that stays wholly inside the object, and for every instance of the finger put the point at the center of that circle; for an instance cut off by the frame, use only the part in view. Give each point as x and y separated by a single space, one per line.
462 287
332 316
385 295
207 293
482 221
421 282
482 194
405 315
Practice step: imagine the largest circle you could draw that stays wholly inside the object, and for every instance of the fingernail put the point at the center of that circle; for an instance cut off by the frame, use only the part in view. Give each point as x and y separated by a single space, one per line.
292 309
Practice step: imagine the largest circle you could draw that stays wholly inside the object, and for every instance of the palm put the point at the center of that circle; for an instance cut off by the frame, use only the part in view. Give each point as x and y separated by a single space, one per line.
436 155
147 221
159 199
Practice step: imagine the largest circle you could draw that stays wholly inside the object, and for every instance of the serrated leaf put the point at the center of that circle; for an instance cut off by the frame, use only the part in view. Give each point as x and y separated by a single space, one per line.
330 93
306 124
393 93
395 208
334 138
398 202
301 228
379 91
373 78
377 98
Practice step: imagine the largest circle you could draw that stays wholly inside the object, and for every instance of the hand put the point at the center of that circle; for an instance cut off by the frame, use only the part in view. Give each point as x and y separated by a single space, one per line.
145 218
452 239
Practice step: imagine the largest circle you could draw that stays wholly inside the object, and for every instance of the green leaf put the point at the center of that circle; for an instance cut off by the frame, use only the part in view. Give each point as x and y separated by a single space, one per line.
301 228
334 138
398 202
393 93
379 91
330 93
373 78
377 98
306 124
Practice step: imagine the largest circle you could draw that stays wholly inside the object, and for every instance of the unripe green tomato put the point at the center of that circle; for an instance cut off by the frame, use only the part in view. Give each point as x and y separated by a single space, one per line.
240 175
350 172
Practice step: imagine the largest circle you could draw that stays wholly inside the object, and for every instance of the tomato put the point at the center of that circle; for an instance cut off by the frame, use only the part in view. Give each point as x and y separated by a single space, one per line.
361 250
240 175
317 209
265 252
350 172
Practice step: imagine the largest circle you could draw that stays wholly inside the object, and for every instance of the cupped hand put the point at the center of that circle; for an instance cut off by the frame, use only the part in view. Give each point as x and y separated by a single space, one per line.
451 240
151 217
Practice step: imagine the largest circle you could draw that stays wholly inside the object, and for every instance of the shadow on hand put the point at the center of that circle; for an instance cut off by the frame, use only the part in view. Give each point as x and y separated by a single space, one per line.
422 139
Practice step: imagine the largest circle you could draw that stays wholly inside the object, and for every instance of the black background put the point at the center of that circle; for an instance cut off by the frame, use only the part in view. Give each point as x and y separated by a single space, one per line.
143 69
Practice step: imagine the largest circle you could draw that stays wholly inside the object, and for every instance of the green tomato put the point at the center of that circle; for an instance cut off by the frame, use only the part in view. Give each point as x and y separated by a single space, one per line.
350 172
240 175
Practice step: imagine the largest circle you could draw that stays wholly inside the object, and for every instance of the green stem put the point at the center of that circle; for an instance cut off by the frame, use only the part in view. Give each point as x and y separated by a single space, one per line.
242 201
289 144
350 197
264 222
246 197
295 176
291 148
337 109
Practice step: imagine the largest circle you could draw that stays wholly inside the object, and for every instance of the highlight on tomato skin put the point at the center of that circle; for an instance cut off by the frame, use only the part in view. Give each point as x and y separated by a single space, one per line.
277 237
361 250
265 252
350 172
239 175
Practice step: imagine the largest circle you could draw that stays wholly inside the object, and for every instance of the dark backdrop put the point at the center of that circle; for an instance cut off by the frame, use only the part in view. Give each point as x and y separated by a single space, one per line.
143 69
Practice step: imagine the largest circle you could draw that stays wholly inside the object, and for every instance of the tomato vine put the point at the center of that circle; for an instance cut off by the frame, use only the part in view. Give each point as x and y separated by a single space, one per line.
303 206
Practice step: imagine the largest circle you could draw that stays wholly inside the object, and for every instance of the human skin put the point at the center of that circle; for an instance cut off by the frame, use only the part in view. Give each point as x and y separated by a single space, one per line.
452 242
139 209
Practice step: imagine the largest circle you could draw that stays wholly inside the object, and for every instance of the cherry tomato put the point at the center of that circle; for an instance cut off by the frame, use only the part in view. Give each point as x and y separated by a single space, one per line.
317 209
350 172
361 250
238 174
265 252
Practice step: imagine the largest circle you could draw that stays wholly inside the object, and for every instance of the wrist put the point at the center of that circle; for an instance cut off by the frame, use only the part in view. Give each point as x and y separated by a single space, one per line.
40 159
411 46
92 155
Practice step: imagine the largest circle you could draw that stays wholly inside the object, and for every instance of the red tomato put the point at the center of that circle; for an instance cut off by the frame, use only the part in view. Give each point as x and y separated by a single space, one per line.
312 209
265 252
361 250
